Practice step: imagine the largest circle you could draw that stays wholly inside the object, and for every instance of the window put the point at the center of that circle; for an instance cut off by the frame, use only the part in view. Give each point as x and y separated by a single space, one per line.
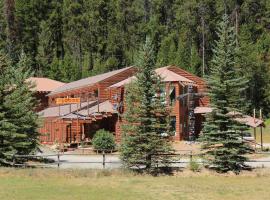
172 95
96 93
184 90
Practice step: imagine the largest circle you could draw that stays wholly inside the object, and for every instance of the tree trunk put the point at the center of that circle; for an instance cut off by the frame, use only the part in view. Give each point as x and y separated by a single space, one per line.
203 46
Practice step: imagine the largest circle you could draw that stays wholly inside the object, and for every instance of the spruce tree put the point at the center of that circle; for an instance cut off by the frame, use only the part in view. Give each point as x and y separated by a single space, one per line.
221 134
145 118
5 125
18 120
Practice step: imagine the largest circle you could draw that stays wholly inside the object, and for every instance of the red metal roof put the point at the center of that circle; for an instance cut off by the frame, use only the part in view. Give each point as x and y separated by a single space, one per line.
44 84
166 74
87 81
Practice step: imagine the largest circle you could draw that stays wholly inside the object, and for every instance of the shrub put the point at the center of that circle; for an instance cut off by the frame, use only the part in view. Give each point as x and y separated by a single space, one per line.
194 166
103 140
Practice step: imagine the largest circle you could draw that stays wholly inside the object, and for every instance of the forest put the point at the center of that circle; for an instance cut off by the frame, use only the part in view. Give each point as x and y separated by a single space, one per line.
70 39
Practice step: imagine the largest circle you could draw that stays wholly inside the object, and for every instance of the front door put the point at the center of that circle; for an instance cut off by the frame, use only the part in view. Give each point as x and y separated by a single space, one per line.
68 134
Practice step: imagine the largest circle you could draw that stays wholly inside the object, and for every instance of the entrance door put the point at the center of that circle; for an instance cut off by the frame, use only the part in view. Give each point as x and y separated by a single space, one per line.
68 134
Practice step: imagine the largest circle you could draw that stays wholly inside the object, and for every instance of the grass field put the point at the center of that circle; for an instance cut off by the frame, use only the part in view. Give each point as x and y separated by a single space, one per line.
104 185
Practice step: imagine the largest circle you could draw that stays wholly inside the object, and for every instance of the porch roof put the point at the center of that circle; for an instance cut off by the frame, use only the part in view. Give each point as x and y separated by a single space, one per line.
104 107
93 110
237 116
64 109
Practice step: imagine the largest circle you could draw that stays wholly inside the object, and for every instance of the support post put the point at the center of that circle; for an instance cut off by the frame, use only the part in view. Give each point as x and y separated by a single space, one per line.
261 130
87 105
261 138
58 160
13 160
77 134
98 100
255 134
103 159
190 156
80 101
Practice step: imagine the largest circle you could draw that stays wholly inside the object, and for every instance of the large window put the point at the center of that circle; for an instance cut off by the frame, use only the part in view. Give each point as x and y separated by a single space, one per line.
172 95
184 90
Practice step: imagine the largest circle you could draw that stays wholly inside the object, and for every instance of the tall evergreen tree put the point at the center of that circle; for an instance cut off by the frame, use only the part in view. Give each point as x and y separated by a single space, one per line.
5 125
145 117
222 134
18 120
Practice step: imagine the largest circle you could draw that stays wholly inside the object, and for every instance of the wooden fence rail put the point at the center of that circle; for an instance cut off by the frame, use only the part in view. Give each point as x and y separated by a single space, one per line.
180 158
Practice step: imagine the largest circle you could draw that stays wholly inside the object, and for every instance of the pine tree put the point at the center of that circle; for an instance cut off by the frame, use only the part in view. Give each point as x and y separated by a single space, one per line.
222 135
18 120
5 126
145 117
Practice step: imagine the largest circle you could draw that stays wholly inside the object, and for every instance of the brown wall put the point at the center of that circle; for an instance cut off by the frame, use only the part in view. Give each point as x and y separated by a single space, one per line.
102 87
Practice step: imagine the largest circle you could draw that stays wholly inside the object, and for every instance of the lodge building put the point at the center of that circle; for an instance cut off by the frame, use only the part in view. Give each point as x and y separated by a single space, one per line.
42 87
102 103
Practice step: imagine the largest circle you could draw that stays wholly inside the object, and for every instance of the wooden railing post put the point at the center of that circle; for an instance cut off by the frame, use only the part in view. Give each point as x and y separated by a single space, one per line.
58 159
13 160
103 160
190 156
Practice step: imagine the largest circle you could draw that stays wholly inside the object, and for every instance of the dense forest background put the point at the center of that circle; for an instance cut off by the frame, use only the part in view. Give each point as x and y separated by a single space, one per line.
70 39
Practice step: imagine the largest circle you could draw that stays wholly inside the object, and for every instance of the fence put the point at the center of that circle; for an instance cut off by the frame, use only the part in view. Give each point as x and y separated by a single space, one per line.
107 160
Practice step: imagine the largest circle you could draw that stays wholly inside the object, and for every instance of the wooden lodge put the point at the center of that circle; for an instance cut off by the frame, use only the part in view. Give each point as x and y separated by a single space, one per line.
42 87
102 98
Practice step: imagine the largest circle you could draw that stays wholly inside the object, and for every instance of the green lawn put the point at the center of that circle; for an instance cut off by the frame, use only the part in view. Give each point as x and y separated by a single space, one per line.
102 185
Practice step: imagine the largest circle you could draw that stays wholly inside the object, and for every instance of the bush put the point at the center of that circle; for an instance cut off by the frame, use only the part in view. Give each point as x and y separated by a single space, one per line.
103 140
194 166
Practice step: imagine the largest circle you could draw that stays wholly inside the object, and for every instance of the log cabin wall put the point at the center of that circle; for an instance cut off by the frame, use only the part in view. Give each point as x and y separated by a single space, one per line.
83 93
52 130
101 88
105 92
